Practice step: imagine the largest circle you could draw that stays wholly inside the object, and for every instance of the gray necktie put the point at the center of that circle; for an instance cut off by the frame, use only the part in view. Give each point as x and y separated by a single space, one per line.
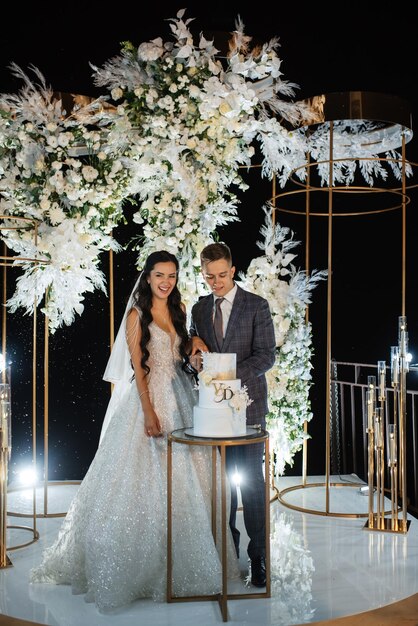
217 322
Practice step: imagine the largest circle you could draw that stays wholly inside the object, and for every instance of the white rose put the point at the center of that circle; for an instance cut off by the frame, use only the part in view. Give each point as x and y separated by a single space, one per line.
90 173
52 141
116 93
151 50
63 139
44 204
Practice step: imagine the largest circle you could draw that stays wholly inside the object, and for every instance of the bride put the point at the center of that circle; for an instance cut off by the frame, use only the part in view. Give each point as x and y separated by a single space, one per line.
112 544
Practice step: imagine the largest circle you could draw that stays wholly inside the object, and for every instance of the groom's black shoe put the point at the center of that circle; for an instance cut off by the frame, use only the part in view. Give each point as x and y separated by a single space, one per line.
258 571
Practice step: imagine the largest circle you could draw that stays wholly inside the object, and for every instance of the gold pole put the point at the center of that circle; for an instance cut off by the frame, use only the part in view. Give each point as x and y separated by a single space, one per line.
270 476
46 410
370 469
111 299
4 439
307 268
403 361
4 309
111 307
214 493
403 224
34 359
329 320
224 593
379 468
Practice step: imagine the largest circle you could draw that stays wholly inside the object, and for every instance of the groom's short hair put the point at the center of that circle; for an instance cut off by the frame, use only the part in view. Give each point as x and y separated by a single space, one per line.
214 252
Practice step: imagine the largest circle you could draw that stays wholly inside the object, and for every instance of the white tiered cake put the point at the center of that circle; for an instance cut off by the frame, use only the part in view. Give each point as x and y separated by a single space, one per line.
221 411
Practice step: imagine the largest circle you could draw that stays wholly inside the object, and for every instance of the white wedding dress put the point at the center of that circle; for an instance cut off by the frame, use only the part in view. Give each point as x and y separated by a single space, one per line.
112 545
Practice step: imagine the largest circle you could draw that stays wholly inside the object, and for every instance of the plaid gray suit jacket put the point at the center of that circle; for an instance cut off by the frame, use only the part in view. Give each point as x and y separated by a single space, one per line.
250 334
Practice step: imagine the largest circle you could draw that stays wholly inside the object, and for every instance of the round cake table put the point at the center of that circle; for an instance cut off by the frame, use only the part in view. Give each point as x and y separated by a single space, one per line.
186 436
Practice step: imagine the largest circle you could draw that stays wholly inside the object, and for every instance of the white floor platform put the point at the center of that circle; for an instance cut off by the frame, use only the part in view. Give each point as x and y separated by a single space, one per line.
324 567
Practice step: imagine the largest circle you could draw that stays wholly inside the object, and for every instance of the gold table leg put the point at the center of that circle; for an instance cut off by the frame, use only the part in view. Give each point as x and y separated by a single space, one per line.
224 594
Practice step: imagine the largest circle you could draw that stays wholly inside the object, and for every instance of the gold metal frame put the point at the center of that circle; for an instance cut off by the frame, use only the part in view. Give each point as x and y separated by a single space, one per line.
70 102
46 483
333 108
6 261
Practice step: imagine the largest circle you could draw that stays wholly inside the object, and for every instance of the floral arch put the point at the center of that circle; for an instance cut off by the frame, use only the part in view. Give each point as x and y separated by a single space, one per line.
171 137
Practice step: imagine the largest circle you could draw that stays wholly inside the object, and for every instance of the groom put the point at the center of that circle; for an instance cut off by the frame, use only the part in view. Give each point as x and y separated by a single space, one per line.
234 320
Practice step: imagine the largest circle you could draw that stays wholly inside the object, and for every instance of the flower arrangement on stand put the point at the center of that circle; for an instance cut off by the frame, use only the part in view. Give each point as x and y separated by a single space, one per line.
191 120
357 148
288 291
59 170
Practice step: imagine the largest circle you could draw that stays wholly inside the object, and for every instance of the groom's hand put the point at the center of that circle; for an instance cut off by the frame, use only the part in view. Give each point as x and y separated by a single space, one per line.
198 345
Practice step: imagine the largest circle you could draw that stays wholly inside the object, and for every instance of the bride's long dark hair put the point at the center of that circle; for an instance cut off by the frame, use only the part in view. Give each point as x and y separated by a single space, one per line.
142 298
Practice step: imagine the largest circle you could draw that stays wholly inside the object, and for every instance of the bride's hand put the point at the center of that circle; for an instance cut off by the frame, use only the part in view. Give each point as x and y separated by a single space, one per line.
152 426
196 361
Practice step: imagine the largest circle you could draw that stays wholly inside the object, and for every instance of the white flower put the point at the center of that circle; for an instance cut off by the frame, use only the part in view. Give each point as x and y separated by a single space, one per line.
151 51
52 141
240 400
185 125
64 139
56 214
192 125
89 173
290 378
116 93
76 203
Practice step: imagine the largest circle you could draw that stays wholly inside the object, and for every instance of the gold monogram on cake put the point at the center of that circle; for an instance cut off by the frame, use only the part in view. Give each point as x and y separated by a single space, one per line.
222 392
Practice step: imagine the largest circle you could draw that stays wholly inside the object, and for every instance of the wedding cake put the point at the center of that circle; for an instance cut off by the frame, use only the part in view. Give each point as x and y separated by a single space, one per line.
221 410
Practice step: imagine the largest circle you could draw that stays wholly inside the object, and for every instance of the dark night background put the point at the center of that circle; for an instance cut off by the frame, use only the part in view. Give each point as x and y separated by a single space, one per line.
356 47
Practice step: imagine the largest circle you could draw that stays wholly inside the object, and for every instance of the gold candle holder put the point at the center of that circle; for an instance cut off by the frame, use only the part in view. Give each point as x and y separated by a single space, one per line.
380 466
393 468
370 401
396 441
403 369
